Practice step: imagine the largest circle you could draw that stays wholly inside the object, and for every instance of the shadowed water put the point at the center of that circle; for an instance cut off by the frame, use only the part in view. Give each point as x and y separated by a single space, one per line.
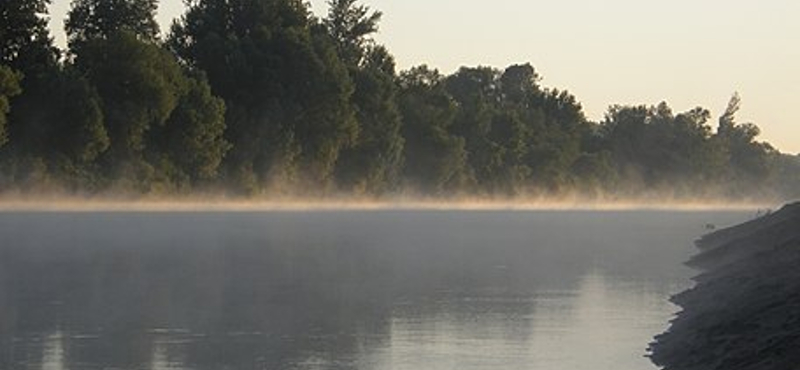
341 290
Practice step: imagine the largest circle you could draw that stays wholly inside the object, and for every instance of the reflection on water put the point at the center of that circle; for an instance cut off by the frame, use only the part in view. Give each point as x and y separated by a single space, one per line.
340 290
599 325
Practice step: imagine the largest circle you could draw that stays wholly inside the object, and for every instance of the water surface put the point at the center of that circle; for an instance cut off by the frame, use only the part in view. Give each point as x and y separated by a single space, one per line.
341 290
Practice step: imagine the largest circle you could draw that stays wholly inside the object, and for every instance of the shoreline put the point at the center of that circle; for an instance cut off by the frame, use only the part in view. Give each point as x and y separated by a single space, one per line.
300 205
742 312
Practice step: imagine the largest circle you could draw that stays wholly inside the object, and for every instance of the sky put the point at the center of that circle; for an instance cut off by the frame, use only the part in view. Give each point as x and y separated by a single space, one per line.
688 53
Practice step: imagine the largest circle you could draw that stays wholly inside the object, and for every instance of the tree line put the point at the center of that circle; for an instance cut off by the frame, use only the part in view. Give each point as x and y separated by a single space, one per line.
262 97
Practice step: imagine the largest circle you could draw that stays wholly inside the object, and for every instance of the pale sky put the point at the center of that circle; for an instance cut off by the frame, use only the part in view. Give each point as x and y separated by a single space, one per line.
686 52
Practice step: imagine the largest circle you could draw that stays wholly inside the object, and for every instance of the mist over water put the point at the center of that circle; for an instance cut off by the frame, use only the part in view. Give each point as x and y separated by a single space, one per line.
353 289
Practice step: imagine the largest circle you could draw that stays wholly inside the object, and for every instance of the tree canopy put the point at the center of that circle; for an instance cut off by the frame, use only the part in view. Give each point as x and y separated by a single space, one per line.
9 87
93 19
21 27
262 97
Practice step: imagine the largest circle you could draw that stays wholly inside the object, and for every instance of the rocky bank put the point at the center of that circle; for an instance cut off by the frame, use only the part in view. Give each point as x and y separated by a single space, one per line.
744 311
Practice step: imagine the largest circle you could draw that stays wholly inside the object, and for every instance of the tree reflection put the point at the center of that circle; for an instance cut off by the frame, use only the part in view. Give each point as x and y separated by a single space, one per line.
240 304
308 290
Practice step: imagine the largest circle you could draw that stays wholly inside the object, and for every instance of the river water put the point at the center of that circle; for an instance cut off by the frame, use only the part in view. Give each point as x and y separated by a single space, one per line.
400 289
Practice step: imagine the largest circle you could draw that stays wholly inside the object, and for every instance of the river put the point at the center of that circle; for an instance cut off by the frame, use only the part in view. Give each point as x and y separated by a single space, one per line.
355 289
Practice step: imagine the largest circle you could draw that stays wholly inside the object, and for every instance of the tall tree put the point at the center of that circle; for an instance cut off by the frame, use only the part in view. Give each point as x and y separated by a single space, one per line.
556 144
435 159
626 137
351 25
21 27
476 94
287 91
26 46
518 136
727 121
749 162
372 164
164 124
139 85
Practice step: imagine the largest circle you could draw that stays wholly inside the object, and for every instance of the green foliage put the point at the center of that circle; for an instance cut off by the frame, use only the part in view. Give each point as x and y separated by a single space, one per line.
9 87
518 136
81 133
55 125
557 145
749 164
28 48
328 123
21 26
193 136
476 96
658 148
139 85
102 19
435 159
350 25
286 88
260 96
373 164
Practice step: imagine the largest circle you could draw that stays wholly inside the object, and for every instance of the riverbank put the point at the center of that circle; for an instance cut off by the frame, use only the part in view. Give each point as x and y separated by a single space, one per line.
744 311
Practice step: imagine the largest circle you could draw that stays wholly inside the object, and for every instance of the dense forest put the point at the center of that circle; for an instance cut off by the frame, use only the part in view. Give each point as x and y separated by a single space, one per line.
261 97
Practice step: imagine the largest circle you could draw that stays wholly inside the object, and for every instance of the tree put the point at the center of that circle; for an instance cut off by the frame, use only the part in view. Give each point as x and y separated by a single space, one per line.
679 153
26 47
373 164
435 159
552 124
350 25
692 153
530 154
80 133
21 26
727 121
749 162
518 136
164 126
286 88
101 19
193 137
518 83
327 124
476 94
9 87
75 136
139 85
